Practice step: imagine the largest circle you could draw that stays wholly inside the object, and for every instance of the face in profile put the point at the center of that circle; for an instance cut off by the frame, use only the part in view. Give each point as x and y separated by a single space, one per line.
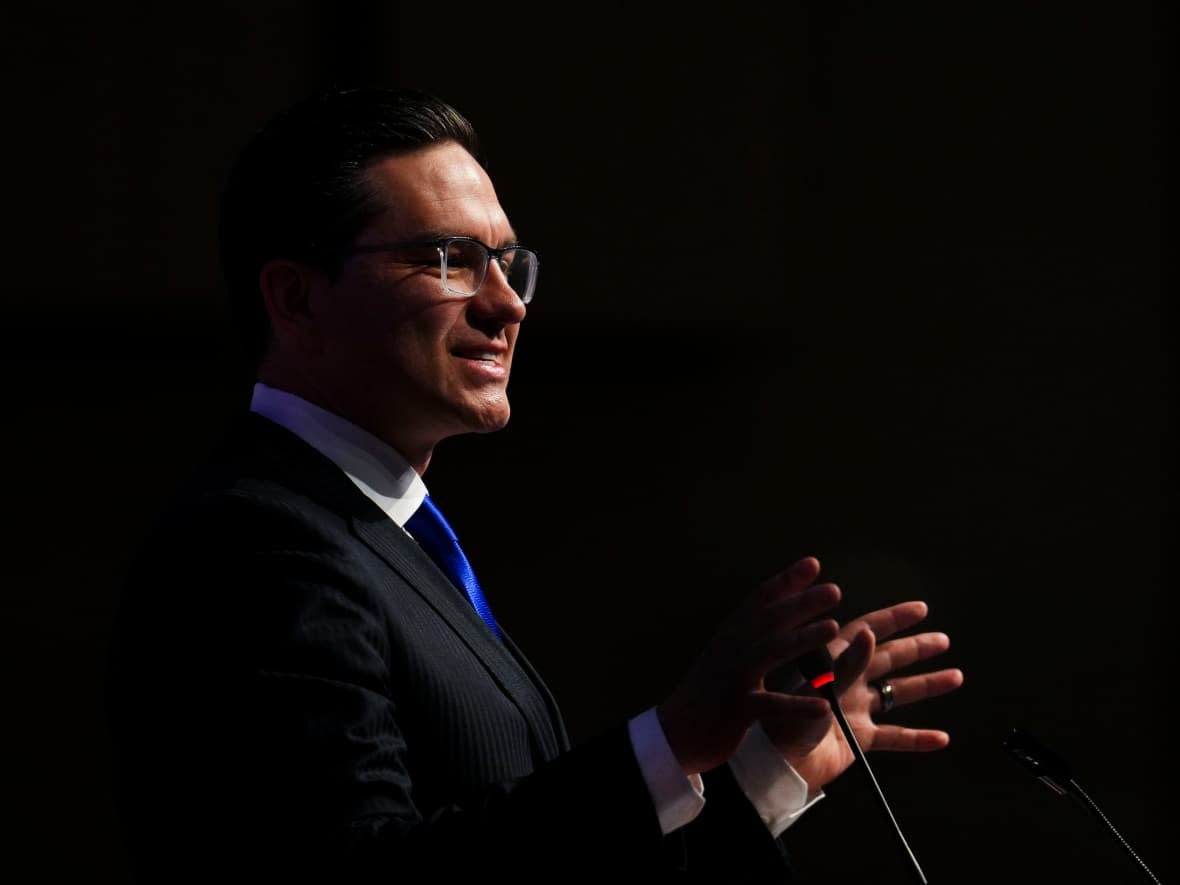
401 355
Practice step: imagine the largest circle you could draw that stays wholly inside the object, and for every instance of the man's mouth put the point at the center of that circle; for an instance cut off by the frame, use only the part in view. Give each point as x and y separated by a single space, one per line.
480 354
484 362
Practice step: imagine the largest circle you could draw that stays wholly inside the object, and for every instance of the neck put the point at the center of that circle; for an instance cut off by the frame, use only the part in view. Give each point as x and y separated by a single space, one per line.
416 453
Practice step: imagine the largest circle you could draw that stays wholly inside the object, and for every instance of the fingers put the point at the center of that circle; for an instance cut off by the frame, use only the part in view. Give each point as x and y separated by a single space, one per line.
895 618
781 624
790 580
805 570
884 622
897 654
898 738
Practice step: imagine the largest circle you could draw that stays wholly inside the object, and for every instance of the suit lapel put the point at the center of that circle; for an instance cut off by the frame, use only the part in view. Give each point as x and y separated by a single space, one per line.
503 662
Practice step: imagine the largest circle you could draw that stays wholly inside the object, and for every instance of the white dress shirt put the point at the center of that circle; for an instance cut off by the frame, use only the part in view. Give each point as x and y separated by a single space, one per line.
775 789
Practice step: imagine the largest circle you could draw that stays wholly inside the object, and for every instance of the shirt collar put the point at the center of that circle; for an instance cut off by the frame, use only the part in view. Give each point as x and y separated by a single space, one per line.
378 470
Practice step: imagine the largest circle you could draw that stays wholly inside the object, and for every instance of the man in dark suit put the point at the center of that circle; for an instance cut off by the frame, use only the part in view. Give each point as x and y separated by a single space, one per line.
303 688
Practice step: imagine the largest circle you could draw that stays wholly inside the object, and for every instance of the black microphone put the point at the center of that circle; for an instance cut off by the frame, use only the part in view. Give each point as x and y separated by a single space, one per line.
1054 772
817 670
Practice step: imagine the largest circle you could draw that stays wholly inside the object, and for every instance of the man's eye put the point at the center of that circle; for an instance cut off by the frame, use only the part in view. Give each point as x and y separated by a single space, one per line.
460 256
423 255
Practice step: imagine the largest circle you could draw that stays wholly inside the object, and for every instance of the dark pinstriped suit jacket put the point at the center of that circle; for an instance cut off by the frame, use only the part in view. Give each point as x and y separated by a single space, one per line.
297 693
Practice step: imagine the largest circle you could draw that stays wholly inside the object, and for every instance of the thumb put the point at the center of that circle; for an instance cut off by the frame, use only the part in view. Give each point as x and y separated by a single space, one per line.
854 660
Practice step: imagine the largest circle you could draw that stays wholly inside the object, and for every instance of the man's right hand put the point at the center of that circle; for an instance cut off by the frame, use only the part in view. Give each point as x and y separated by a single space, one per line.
722 694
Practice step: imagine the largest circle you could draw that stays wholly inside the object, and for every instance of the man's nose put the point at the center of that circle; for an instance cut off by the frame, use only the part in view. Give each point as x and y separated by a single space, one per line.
497 298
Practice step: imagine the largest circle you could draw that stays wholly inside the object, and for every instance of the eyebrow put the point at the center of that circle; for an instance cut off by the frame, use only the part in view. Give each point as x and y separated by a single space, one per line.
439 233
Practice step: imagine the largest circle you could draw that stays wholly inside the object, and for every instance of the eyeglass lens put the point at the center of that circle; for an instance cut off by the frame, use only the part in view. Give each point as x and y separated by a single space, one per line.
466 267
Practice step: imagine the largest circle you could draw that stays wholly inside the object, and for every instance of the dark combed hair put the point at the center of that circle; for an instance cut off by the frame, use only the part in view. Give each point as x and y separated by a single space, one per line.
297 189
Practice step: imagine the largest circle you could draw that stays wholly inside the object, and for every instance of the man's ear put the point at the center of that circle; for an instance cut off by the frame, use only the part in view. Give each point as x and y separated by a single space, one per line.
287 288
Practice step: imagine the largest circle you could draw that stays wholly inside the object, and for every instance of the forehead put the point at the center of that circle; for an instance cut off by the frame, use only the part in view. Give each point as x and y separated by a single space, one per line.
439 189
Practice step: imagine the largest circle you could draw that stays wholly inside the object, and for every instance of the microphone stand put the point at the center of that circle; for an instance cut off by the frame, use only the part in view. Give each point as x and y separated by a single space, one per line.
1051 770
816 668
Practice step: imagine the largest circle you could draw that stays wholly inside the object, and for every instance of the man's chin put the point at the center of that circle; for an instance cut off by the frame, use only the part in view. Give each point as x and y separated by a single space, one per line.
485 419
494 424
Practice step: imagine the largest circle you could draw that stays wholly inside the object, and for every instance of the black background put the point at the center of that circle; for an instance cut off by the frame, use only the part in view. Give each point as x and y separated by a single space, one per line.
884 283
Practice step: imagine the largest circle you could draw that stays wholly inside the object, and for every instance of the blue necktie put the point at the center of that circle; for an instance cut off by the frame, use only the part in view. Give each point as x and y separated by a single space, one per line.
435 535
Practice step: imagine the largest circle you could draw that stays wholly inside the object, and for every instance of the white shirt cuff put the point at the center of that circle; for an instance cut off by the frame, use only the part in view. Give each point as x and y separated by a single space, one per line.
678 798
775 789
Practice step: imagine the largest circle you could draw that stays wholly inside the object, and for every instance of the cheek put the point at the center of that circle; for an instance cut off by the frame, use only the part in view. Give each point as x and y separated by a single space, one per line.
403 327
351 316
418 340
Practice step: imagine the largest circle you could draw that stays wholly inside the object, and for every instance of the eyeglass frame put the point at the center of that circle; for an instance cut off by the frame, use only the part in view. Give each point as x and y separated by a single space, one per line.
440 243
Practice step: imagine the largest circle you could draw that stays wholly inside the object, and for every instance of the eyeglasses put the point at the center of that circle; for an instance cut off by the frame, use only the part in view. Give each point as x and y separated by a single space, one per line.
464 261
